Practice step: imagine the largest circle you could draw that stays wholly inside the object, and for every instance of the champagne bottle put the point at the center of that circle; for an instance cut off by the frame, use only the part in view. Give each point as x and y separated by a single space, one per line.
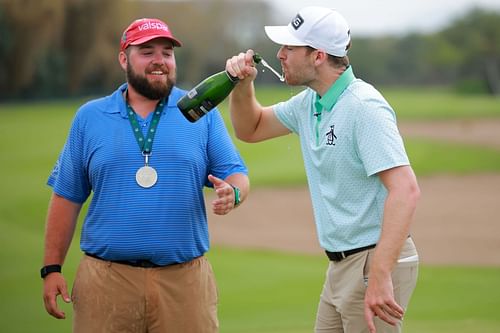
208 94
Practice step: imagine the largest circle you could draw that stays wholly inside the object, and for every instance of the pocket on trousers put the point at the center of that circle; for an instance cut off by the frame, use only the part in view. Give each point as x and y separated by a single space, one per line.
77 283
366 267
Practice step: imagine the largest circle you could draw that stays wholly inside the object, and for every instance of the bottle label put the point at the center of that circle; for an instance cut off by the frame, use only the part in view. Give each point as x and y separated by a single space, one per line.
199 111
193 115
192 93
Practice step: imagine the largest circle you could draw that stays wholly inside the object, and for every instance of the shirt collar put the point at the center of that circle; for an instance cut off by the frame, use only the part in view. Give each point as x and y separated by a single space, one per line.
332 95
117 102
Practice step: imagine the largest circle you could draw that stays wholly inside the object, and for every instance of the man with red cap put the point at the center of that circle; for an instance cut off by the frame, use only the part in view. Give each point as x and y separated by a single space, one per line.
145 233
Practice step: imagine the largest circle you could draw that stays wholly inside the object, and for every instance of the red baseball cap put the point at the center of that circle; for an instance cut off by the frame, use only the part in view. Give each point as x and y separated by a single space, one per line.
142 30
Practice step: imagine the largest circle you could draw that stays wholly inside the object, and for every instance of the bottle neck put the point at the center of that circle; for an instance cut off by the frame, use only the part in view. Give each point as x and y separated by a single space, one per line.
233 79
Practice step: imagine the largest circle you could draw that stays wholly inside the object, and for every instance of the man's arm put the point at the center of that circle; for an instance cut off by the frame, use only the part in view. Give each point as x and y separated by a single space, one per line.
399 210
60 227
251 121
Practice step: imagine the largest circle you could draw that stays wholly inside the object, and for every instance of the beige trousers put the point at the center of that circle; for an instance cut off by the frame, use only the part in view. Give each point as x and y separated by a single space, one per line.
110 297
341 306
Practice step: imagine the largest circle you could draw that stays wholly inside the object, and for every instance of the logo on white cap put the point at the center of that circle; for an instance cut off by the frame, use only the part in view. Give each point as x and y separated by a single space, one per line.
318 27
297 22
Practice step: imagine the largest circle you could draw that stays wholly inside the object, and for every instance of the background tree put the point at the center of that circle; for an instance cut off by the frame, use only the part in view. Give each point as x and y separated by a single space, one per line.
477 37
91 39
64 48
31 32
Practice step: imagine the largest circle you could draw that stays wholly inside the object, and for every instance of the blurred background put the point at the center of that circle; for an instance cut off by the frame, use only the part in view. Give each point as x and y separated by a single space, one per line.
68 48
437 62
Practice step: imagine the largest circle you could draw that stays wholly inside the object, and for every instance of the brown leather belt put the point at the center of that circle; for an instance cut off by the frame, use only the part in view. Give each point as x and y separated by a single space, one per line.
134 263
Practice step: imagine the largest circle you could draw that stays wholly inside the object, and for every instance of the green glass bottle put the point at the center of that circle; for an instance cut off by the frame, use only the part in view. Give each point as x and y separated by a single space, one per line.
208 94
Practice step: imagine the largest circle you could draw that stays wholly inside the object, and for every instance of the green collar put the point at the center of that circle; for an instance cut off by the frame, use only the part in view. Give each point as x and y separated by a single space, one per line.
330 98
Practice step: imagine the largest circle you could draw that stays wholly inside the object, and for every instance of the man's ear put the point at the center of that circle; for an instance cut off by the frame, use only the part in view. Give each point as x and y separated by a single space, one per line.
122 59
321 57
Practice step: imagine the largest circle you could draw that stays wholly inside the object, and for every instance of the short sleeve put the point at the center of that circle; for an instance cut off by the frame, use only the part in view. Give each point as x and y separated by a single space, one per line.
379 143
68 177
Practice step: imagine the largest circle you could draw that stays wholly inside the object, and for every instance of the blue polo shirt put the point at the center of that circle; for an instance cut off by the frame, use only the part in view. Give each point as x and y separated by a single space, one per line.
346 137
166 223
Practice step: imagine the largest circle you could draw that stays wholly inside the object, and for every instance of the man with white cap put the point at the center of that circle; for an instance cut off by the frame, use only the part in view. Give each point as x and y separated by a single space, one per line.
363 190
145 233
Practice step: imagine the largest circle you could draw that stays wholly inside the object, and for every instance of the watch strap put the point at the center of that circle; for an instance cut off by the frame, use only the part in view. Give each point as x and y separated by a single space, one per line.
46 270
237 195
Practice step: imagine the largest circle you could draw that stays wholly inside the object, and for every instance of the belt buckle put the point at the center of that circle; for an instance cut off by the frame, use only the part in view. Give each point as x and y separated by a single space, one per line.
145 264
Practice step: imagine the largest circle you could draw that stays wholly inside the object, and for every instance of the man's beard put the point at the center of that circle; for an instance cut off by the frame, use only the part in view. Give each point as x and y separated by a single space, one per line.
155 91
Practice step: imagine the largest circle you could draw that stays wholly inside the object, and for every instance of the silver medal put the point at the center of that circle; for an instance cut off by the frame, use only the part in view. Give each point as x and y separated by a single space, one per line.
146 176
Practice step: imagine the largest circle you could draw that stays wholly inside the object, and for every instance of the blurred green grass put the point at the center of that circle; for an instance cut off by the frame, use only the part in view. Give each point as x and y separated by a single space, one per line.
418 103
260 292
268 292
440 104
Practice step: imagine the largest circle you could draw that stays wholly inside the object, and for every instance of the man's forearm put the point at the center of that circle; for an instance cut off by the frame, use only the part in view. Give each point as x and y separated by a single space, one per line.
399 211
245 110
395 229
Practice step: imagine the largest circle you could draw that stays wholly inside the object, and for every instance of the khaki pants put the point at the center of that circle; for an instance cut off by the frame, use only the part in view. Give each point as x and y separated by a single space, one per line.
341 306
110 297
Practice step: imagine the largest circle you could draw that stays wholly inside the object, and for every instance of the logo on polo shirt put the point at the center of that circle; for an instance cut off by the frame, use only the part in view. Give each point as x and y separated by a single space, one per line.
55 170
297 22
331 138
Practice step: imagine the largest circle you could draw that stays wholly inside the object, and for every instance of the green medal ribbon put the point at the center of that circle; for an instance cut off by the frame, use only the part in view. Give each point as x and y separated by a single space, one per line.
145 144
146 176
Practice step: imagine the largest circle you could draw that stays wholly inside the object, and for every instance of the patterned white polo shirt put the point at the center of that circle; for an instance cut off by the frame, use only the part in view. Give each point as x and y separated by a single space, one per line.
346 137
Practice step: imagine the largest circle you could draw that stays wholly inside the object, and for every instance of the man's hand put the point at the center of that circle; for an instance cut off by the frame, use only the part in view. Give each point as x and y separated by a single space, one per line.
242 65
54 284
380 302
225 196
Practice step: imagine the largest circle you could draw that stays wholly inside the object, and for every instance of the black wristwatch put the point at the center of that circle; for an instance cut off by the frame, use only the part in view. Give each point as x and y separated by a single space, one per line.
237 195
46 270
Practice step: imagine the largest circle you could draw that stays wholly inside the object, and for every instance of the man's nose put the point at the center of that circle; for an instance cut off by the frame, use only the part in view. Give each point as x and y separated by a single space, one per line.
158 58
280 55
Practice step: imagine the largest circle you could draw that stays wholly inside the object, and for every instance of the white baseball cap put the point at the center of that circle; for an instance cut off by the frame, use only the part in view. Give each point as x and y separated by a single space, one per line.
318 27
